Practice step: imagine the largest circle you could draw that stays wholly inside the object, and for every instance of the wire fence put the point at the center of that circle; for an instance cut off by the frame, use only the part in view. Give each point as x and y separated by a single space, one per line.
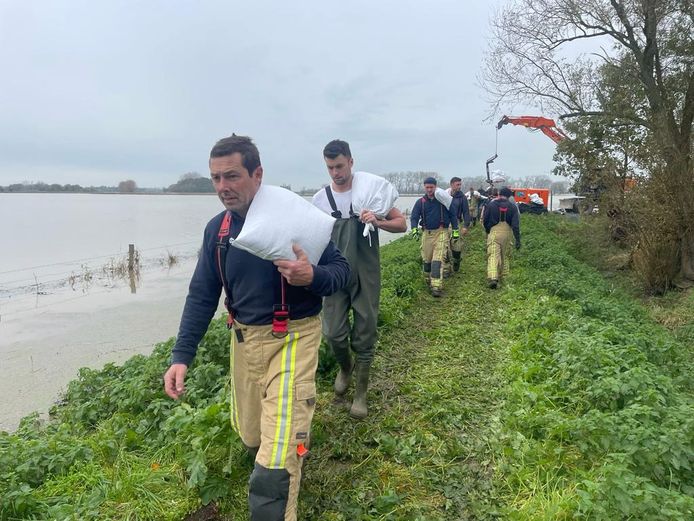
35 279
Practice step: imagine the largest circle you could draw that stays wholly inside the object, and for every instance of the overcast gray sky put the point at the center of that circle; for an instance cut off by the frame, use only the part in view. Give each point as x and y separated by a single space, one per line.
97 92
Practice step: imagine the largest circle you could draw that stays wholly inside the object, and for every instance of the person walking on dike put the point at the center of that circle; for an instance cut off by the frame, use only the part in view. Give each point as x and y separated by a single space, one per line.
502 223
474 199
462 214
363 292
273 376
435 219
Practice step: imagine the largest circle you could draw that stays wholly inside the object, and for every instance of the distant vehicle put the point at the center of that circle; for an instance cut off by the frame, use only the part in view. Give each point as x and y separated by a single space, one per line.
531 200
570 204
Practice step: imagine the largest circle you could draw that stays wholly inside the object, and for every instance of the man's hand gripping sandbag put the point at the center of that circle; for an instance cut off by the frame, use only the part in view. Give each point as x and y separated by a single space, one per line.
373 193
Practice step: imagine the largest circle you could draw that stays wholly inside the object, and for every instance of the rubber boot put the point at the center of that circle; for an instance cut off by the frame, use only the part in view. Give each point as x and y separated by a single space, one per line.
344 375
359 408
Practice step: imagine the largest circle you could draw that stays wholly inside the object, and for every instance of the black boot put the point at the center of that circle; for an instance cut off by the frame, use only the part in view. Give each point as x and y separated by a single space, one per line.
359 408
344 375
456 260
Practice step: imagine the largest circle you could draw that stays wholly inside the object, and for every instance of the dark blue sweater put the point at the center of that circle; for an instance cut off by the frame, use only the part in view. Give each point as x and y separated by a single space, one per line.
255 287
502 210
461 208
432 214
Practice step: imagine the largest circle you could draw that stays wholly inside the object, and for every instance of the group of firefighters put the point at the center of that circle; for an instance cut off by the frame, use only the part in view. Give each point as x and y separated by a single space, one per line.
442 228
279 310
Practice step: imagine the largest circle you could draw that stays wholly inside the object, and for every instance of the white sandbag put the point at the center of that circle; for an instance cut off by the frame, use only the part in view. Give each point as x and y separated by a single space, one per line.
498 177
278 218
535 198
443 197
374 193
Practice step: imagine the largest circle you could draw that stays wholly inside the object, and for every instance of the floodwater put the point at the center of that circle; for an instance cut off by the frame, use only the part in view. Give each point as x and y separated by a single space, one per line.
74 241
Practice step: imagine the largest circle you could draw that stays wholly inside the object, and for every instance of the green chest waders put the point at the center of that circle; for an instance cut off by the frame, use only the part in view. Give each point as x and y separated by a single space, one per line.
361 294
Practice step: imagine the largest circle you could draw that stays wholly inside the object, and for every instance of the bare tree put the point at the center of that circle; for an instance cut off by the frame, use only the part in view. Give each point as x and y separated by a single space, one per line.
647 45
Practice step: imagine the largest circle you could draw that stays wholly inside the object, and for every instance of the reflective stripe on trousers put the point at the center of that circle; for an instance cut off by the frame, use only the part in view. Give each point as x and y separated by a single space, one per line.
499 247
433 248
273 395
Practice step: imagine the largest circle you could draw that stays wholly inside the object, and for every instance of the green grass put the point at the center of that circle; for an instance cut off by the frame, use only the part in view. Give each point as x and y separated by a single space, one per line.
559 396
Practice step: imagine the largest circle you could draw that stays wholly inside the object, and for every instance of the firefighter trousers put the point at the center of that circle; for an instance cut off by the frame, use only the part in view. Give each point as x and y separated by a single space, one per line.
434 246
273 396
455 250
499 247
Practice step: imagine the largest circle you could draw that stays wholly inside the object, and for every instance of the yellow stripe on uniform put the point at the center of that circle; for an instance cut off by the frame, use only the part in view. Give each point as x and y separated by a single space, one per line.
283 395
233 408
492 255
280 399
290 403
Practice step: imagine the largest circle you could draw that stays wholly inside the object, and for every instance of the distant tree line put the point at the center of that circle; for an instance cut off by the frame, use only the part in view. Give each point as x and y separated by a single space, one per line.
192 182
34 187
412 182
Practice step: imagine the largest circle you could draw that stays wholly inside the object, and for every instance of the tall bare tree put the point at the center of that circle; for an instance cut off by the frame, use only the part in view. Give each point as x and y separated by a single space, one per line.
538 56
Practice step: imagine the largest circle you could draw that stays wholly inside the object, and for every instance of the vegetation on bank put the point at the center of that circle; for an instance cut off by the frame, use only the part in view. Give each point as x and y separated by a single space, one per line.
559 396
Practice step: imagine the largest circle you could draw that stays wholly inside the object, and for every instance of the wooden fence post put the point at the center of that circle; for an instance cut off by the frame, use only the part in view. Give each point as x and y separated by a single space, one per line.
131 257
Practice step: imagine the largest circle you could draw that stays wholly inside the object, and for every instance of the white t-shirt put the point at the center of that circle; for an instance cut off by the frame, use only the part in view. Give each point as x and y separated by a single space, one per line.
343 200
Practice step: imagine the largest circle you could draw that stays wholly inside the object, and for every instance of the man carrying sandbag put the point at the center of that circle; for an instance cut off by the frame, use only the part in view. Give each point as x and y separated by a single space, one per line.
462 213
274 312
435 219
356 235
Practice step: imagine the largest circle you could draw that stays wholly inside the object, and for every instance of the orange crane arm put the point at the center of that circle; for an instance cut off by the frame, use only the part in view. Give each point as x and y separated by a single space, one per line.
547 126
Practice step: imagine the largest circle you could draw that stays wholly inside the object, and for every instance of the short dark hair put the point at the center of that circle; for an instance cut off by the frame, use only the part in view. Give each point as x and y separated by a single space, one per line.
335 148
456 179
250 157
505 192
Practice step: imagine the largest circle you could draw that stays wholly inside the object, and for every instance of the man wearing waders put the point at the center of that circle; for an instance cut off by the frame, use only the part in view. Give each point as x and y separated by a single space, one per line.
435 219
274 312
502 223
462 214
364 289
474 199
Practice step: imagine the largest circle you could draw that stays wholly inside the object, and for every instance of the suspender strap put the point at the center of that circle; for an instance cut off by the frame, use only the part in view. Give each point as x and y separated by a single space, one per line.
331 199
222 245
503 214
280 314
336 213
424 220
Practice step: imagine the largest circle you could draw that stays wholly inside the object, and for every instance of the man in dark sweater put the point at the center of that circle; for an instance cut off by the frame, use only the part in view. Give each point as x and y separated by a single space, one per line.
435 219
274 309
462 214
501 222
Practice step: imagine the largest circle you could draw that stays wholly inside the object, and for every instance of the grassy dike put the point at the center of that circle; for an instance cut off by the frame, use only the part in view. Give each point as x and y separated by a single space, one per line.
557 397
